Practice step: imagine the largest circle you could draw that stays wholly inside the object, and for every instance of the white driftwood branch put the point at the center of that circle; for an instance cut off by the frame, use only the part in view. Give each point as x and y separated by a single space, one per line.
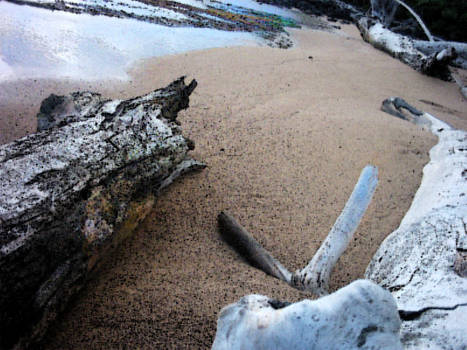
429 47
315 276
385 10
417 17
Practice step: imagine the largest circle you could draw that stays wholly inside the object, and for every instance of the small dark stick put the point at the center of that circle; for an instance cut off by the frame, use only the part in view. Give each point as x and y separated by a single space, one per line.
244 243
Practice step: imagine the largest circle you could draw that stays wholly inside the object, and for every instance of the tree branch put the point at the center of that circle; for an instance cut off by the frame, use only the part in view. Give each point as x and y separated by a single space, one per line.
315 276
417 17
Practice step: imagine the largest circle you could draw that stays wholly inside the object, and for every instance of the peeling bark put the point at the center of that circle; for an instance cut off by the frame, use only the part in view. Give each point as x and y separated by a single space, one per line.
74 190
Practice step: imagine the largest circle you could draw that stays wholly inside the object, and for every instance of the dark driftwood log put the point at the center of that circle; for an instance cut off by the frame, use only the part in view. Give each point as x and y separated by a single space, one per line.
73 191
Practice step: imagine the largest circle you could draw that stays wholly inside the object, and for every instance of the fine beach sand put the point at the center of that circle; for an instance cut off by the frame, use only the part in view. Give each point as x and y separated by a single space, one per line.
285 138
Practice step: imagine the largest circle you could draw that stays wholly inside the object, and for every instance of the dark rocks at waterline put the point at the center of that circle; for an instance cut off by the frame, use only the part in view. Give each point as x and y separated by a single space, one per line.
70 193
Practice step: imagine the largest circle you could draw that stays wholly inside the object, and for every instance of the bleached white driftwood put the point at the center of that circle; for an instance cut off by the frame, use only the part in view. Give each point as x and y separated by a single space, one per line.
385 10
403 48
316 275
428 57
430 48
424 262
314 278
359 316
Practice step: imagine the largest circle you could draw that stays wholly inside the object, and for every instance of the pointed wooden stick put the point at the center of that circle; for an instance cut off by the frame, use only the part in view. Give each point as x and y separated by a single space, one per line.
315 276
244 243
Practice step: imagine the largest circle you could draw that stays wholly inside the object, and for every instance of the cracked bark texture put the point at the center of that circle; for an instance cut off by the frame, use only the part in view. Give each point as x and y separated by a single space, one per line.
74 190
423 262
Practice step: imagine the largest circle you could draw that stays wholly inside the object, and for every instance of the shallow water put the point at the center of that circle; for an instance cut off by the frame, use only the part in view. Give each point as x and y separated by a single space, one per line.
39 43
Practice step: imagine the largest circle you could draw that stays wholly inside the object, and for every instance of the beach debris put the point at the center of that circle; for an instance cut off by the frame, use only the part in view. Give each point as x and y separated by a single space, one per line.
379 28
423 262
361 315
396 106
72 192
403 48
314 277
428 57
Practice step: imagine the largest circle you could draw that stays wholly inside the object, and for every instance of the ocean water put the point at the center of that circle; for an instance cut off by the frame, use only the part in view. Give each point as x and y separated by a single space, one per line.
39 43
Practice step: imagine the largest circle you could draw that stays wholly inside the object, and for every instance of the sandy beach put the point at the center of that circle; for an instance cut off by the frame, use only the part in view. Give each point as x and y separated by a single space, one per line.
285 134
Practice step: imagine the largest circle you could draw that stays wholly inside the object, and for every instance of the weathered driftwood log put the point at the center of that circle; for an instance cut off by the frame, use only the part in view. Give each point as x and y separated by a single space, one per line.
403 48
430 48
71 192
428 57
314 278
424 262
385 10
359 316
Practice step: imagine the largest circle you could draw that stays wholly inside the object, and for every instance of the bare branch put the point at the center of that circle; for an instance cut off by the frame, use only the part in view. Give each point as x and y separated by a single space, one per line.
315 276
417 17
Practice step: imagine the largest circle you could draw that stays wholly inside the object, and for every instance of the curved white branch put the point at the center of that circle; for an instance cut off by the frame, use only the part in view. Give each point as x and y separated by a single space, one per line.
417 17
